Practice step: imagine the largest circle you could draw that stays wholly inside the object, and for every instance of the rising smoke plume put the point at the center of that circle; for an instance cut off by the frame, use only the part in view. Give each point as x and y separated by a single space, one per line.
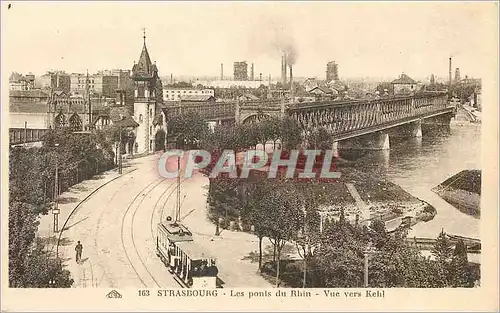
272 36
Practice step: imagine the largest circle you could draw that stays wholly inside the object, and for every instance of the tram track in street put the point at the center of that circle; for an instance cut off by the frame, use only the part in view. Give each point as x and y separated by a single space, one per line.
154 183
96 235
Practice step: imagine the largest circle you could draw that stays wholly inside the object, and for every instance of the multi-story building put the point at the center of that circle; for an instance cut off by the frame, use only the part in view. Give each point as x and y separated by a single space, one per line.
28 108
100 83
177 94
21 82
240 70
332 71
57 81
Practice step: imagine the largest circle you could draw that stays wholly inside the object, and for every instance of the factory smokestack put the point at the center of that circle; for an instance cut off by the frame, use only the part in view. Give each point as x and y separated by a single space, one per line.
283 69
449 75
260 77
222 71
252 73
291 84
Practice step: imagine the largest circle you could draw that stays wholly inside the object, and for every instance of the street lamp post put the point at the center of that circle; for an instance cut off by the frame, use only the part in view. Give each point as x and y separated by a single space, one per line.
368 252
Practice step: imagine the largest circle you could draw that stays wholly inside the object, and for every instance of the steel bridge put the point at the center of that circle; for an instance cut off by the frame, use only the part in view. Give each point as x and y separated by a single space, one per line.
345 119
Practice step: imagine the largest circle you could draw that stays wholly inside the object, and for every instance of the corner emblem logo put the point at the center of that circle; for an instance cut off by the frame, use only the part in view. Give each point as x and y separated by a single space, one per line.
113 294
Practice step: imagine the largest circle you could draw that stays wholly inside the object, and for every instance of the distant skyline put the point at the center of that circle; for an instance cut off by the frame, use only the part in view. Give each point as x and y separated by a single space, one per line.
193 39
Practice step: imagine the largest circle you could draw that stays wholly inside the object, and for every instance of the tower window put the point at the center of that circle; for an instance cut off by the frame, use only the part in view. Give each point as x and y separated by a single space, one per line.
150 112
140 118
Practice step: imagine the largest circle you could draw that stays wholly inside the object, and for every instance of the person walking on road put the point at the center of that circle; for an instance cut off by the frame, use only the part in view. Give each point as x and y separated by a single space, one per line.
78 249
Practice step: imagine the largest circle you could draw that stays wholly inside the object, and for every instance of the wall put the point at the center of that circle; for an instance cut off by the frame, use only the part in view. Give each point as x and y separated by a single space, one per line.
174 94
141 116
109 86
34 120
402 88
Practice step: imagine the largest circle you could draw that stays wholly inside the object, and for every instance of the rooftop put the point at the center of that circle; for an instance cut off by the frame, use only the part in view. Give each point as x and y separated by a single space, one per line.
199 98
34 93
194 250
404 79
144 67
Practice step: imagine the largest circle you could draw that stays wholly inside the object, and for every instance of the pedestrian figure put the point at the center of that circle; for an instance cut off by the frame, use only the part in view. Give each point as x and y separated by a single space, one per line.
78 249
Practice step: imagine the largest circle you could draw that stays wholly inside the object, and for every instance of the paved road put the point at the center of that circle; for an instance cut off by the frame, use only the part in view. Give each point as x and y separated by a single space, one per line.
117 227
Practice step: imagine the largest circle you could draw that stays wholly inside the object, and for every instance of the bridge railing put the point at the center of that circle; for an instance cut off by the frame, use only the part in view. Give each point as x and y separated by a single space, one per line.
355 115
25 135
262 103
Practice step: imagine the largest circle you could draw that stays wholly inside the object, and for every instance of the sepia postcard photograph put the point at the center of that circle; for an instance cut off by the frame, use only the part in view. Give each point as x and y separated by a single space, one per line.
249 156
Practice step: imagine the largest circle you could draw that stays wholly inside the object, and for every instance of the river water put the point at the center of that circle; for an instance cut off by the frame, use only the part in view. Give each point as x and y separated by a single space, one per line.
419 164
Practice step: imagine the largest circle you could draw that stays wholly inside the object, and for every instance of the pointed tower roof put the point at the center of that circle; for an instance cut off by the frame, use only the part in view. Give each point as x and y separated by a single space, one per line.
144 68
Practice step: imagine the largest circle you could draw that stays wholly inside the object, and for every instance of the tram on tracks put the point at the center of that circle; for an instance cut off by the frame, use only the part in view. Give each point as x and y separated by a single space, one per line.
187 260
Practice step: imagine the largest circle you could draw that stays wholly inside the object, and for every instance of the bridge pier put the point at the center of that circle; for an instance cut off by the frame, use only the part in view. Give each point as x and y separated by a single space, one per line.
410 130
440 123
374 141
335 149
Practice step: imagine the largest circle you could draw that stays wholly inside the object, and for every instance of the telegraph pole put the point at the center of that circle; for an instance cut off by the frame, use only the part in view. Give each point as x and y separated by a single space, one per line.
120 152
178 189
55 210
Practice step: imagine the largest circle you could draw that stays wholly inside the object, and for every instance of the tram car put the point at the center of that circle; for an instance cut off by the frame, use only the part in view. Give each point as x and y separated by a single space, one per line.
191 266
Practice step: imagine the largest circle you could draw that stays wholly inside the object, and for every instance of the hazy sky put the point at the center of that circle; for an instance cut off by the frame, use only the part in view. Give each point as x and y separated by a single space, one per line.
193 38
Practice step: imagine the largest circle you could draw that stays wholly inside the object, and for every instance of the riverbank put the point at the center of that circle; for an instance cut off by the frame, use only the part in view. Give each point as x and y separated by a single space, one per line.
463 191
360 196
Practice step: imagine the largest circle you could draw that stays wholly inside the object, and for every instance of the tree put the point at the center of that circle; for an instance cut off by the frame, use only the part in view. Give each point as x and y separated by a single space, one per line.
265 130
291 133
308 237
321 139
443 252
253 208
382 87
30 265
32 185
271 129
283 219
189 128
460 270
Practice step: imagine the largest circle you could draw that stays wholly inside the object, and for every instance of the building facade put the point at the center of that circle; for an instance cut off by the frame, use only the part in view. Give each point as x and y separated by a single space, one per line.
21 82
404 84
56 81
176 94
332 71
240 70
28 108
101 83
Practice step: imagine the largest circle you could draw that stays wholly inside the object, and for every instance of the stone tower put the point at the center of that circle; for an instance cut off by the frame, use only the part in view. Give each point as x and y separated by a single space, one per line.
147 96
